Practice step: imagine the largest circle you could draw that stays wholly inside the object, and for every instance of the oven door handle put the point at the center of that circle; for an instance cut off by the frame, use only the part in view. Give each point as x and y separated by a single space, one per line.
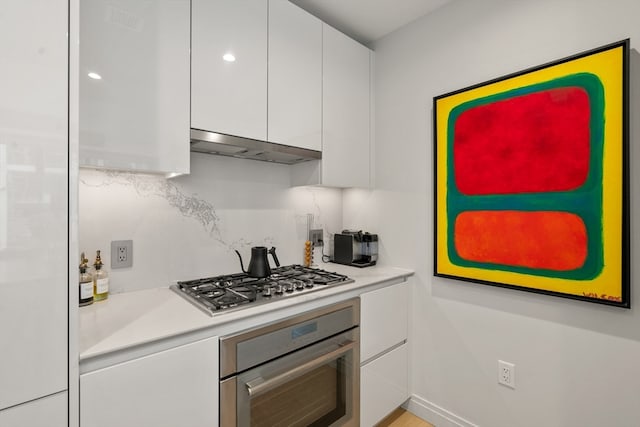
260 385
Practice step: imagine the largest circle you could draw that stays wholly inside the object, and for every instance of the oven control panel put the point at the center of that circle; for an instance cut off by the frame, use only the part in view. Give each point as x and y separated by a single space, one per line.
250 348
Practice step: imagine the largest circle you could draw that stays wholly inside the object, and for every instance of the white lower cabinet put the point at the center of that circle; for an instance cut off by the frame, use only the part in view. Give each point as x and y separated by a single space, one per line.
384 385
50 411
384 374
175 387
384 319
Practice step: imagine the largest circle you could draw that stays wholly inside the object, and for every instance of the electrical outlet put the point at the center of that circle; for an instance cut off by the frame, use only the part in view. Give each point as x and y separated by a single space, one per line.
121 253
507 374
316 236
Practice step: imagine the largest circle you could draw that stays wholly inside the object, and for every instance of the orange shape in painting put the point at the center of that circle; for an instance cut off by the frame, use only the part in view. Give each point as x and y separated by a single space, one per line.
541 240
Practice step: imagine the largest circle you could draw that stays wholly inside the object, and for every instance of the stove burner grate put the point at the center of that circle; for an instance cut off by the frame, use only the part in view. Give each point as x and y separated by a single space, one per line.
232 290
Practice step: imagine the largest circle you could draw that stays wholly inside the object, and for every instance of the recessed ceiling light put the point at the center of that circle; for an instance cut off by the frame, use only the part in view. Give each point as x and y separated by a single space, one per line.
95 76
229 57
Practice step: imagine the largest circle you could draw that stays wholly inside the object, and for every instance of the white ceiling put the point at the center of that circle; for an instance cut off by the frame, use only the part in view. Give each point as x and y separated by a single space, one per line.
369 20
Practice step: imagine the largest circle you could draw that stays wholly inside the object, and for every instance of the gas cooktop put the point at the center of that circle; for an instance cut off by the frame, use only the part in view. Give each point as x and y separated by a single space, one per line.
234 291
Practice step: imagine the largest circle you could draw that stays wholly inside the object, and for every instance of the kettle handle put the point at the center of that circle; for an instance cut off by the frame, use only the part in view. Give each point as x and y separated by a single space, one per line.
272 251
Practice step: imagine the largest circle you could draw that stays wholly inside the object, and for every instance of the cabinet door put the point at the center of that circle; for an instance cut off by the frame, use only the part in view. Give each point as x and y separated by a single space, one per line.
33 199
345 111
136 115
295 76
176 387
383 319
384 386
50 411
229 97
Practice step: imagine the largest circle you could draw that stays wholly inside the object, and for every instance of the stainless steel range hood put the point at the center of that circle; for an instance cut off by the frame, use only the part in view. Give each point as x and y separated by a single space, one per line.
245 148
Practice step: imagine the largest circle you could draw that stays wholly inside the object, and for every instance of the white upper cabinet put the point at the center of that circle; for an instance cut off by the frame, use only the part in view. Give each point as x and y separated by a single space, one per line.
34 174
267 70
295 76
134 85
229 67
346 112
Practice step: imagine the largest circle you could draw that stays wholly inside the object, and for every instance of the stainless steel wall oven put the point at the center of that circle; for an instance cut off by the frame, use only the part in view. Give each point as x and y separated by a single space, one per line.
301 371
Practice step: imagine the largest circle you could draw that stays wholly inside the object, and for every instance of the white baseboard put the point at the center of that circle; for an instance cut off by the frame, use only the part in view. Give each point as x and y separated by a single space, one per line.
434 414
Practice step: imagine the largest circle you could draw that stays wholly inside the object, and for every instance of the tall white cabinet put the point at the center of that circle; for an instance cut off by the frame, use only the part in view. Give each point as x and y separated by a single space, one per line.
134 85
34 171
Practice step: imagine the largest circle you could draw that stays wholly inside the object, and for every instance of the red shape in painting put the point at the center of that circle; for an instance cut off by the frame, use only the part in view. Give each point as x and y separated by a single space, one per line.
537 142
541 240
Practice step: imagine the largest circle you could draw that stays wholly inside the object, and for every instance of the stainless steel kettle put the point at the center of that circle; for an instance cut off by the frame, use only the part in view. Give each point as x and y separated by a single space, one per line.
259 263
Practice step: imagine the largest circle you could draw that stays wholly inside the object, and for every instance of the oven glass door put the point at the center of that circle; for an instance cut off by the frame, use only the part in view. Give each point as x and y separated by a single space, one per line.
316 386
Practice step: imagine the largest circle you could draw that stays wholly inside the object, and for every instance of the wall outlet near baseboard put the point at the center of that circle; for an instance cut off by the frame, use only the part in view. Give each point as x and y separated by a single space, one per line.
121 253
507 374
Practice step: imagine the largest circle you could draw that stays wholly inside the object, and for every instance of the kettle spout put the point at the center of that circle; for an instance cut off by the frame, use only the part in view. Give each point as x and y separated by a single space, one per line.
241 265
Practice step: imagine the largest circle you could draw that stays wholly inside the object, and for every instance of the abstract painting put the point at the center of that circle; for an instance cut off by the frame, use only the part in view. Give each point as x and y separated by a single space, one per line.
531 179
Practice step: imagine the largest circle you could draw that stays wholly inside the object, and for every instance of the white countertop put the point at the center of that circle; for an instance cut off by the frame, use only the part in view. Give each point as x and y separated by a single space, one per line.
133 324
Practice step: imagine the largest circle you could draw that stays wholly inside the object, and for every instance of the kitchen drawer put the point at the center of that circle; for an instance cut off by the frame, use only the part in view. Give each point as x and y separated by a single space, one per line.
384 317
50 411
384 385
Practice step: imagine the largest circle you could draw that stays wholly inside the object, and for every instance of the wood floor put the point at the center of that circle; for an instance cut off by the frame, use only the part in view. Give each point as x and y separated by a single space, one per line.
402 418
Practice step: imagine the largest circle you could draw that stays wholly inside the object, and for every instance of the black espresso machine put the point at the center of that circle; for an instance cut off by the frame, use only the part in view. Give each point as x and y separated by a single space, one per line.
355 248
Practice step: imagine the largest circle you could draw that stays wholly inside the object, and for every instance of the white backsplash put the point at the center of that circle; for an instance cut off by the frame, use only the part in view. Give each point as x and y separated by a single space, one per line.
188 227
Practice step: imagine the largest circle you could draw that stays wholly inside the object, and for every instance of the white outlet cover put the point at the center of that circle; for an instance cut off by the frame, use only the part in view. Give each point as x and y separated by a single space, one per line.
507 374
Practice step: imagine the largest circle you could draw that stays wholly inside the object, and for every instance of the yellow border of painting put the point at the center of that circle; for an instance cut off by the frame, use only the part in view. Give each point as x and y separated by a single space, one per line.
607 66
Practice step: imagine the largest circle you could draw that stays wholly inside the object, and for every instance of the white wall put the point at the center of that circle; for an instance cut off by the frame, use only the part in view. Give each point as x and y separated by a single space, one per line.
187 227
577 363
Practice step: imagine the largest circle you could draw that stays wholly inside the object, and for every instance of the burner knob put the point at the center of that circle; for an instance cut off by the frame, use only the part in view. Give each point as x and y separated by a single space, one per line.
266 291
288 287
278 289
309 284
299 285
